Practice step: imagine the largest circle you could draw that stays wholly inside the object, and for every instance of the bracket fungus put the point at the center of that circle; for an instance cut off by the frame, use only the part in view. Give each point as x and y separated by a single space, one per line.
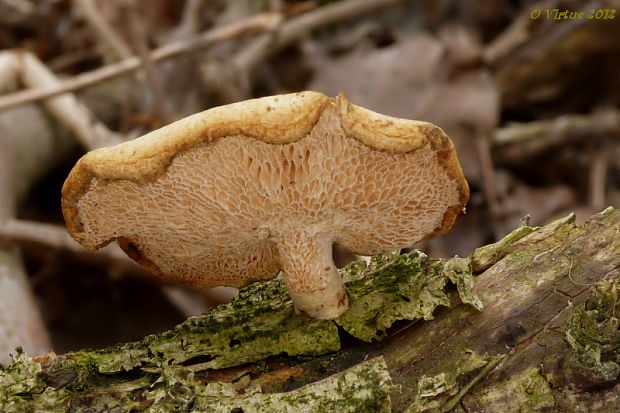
237 193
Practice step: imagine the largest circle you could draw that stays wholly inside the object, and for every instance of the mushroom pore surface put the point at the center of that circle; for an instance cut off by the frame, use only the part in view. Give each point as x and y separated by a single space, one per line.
238 210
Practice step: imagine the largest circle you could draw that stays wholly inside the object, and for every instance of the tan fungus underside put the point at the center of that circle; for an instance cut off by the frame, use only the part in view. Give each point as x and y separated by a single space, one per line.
208 229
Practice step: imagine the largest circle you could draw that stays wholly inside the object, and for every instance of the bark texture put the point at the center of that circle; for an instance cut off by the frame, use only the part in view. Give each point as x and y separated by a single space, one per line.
546 340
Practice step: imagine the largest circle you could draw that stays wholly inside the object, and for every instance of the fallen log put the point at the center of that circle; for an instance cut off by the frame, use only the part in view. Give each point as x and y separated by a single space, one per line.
537 330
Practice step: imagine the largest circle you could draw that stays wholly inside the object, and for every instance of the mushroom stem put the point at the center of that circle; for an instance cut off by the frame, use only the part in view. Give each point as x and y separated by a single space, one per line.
312 280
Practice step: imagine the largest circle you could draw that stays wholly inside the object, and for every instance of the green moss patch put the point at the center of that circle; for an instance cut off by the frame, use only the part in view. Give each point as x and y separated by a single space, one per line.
401 287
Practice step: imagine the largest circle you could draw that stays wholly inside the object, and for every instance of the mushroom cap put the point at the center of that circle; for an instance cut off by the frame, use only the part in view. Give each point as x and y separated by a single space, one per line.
233 194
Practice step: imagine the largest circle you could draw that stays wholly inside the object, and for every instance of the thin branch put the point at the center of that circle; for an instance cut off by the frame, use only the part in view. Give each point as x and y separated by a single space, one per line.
260 22
297 27
56 237
597 177
106 34
23 6
189 302
9 69
51 235
190 19
488 174
67 109
515 142
451 404
21 323
275 5
153 80
233 80
516 40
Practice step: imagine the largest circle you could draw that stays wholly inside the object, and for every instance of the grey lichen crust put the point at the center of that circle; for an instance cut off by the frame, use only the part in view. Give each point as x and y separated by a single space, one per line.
260 323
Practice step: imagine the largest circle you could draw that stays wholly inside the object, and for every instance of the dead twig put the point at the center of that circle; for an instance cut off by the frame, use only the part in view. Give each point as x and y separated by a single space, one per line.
233 79
597 177
488 181
56 237
22 6
297 27
451 404
90 132
106 34
260 22
153 81
67 109
190 20
517 34
189 302
9 68
515 142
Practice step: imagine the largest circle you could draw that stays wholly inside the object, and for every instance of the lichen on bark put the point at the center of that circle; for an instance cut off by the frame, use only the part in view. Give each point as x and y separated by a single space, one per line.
447 387
528 389
488 255
260 323
365 387
20 376
512 354
402 287
593 336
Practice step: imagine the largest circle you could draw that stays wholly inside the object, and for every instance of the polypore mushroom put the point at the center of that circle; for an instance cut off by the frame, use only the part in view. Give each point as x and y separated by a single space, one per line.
239 192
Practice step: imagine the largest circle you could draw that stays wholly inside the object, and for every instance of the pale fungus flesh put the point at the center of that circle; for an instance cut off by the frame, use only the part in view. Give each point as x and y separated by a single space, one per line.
241 192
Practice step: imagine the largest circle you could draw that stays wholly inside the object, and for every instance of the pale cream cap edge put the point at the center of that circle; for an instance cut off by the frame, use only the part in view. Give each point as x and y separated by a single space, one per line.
275 119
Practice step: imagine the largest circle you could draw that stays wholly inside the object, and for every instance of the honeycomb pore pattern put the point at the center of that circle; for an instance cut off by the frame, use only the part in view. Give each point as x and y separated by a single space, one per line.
226 212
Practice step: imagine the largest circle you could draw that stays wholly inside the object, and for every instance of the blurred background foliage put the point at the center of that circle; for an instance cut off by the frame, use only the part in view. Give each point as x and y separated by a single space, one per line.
532 105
